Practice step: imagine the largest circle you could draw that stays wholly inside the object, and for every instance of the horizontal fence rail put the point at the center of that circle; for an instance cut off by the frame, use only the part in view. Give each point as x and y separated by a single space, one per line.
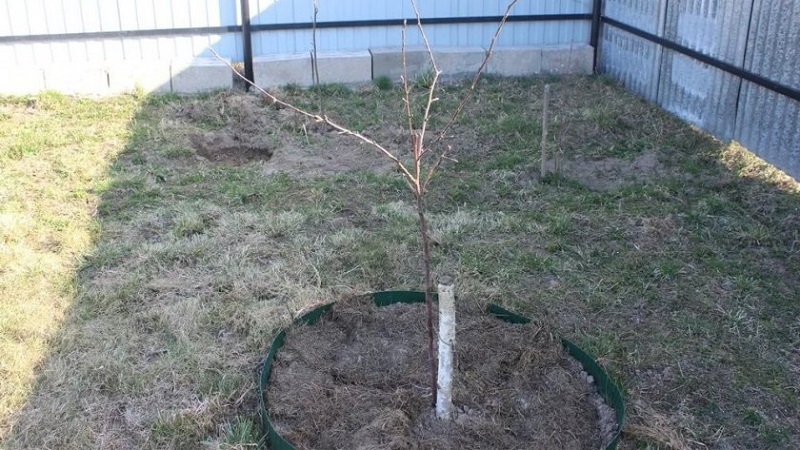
425 21
754 78
307 26
731 68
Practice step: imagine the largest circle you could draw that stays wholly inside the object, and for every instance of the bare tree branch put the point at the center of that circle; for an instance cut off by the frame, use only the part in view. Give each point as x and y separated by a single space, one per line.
443 132
431 88
314 60
319 118
404 82
435 166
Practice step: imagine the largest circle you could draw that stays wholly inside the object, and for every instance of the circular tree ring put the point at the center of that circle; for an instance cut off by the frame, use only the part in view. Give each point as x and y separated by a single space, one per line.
604 384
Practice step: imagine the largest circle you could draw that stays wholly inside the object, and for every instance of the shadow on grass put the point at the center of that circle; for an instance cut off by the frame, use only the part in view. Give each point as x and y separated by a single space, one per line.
131 364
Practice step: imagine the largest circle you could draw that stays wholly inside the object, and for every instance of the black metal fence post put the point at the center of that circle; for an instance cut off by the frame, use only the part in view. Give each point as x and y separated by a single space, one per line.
247 42
597 11
661 55
748 40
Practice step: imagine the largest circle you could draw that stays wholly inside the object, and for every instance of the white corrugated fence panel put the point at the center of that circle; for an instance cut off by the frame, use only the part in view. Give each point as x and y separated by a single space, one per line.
24 17
646 15
696 92
633 60
287 11
5 19
42 17
350 39
58 60
769 123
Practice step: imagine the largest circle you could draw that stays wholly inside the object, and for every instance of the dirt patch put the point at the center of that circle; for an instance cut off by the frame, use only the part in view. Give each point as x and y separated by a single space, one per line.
238 128
240 132
229 146
649 234
358 379
611 173
336 156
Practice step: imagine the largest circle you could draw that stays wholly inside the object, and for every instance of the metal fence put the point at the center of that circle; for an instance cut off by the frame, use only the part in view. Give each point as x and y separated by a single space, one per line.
44 32
47 32
732 68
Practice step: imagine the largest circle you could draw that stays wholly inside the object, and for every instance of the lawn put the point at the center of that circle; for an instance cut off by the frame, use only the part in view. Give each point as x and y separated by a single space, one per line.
149 248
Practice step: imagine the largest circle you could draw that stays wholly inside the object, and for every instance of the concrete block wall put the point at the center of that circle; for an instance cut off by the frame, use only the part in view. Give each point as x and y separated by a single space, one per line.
507 61
21 80
76 79
152 77
348 68
388 62
459 62
201 74
271 71
567 59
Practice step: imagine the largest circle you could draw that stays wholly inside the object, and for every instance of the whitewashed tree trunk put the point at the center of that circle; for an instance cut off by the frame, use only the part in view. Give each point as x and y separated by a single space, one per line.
447 340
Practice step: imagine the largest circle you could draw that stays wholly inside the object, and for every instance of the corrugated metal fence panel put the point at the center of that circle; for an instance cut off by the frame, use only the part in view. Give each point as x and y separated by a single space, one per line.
633 60
765 122
647 15
27 17
768 123
696 92
6 51
294 11
349 39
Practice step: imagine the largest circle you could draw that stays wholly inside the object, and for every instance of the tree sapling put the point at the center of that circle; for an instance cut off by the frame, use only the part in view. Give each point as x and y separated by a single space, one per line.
426 159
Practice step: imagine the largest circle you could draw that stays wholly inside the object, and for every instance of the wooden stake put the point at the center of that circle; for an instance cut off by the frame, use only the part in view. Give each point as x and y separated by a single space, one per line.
544 128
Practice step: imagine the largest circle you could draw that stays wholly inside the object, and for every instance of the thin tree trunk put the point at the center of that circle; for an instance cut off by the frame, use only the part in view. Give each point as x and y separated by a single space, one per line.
426 268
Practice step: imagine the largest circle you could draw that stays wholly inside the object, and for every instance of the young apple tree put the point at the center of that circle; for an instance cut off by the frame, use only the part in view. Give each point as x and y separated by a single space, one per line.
428 150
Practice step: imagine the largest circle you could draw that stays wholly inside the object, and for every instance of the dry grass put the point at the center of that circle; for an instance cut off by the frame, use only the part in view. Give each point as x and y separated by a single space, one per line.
54 154
143 325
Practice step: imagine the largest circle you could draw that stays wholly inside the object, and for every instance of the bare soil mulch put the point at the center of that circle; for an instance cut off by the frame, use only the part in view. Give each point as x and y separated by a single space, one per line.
358 379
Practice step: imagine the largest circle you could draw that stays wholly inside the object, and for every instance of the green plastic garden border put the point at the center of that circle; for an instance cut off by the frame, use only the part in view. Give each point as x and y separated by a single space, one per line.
605 385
